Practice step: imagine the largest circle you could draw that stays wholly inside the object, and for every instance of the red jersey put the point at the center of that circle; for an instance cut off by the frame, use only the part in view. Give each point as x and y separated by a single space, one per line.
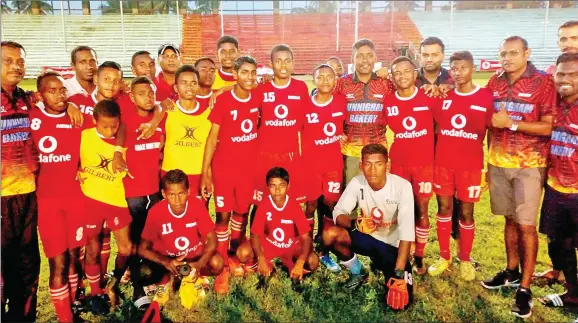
563 171
322 129
163 89
531 97
142 156
176 235
58 143
204 102
281 115
84 103
279 227
237 119
124 102
462 122
19 155
411 120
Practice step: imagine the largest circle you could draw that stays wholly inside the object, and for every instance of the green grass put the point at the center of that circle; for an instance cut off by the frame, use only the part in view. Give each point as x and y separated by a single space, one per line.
444 298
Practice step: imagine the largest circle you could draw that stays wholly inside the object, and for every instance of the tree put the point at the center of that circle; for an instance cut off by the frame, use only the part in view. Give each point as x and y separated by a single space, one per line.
5 6
428 5
206 7
35 7
113 6
85 7
406 5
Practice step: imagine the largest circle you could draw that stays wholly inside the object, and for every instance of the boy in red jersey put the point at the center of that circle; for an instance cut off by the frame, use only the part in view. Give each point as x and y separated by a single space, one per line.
409 114
322 129
104 199
178 231
461 125
60 219
233 132
280 229
206 68
143 156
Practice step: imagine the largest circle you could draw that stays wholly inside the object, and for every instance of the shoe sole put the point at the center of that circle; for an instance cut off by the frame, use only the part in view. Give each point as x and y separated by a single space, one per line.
509 285
525 316
356 286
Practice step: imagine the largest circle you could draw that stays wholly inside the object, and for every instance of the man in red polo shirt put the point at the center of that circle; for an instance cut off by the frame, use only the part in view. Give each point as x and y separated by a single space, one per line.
567 41
524 105
170 61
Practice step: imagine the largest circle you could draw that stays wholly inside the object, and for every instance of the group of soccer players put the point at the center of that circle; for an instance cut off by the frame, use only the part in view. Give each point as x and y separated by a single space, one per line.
89 156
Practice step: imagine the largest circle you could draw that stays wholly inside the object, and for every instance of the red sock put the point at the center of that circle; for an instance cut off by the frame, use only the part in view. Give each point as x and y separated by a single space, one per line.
93 276
61 300
311 225
421 235
104 256
81 256
222 232
467 233
238 228
444 230
73 283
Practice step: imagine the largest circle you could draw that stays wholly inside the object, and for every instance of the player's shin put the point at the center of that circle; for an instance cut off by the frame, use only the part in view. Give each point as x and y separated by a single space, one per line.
104 254
74 271
467 230
222 231
238 230
59 288
421 227
92 265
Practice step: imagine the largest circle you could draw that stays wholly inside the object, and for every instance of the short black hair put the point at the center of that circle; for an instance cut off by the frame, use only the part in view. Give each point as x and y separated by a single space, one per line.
13 44
462 56
433 41
204 59
186 69
139 53
517 38
106 108
567 58
40 78
277 172
363 42
323 66
227 40
242 60
281 48
373 149
109 64
400 59
140 80
568 24
175 176
80 49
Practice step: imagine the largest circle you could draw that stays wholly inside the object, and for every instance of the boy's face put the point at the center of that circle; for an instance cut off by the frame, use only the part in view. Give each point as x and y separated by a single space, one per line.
187 86
246 76
325 80
278 189
177 195
227 54
108 82
107 126
282 64
54 94
143 96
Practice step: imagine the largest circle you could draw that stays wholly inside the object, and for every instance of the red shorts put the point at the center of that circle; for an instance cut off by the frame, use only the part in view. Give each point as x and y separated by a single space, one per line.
60 224
272 252
327 183
420 177
233 188
97 213
463 183
194 183
291 163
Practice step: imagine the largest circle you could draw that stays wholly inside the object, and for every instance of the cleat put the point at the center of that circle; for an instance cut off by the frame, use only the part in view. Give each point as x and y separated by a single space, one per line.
438 267
162 293
355 281
235 267
419 266
297 285
523 306
142 303
125 278
505 278
250 269
331 265
99 305
222 282
113 292
467 271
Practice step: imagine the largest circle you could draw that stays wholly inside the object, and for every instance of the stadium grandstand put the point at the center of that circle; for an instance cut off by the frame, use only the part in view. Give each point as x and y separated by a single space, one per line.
394 26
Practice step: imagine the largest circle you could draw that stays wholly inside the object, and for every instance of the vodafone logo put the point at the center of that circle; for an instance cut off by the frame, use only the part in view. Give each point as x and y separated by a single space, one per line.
246 126
182 243
459 121
329 129
281 111
47 144
279 234
409 123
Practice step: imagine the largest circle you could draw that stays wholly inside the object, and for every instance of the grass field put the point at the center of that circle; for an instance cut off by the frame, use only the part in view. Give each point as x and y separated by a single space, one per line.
444 298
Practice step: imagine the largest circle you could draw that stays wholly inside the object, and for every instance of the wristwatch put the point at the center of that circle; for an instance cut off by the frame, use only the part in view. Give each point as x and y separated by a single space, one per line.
514 126
399 273
118 149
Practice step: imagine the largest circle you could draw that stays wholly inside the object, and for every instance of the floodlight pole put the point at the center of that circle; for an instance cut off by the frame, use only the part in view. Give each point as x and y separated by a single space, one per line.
356 19
337 28
63 25
546 23
451 23
222 19
178 21
122 26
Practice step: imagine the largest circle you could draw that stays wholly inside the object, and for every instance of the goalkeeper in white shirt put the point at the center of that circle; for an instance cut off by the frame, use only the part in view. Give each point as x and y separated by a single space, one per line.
384 231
